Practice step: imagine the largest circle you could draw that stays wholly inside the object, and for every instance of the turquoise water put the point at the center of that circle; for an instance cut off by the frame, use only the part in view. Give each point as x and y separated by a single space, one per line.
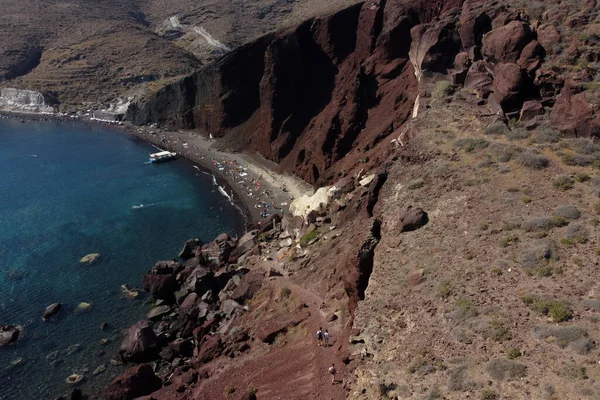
67 190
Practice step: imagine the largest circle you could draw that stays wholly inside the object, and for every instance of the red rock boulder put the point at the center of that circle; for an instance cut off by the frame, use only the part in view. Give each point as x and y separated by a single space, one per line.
504 44
508 85
575 115
548 35
134 382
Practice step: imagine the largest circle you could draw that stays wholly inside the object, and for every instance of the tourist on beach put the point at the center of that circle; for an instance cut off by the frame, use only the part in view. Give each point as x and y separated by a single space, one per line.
320 336
326 335
332 372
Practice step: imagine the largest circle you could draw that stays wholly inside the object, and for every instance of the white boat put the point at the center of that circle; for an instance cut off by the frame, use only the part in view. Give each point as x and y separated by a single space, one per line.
162 156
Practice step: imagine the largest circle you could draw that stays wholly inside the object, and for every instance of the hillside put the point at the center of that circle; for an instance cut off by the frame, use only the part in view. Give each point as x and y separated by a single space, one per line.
88 54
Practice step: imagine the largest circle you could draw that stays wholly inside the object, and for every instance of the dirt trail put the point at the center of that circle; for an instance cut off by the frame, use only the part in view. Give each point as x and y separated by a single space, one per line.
302 365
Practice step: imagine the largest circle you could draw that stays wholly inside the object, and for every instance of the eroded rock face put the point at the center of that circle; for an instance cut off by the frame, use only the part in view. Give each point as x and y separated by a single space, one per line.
135 382
575 115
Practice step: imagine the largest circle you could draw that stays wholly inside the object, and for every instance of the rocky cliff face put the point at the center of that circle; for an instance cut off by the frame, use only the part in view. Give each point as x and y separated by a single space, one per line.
329 95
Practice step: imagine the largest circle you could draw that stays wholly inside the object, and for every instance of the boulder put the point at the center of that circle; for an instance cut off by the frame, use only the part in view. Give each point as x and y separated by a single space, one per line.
504 44
200 281
140 343
531 56
217 252
548 35
271 327
9 334
574 115
182 347
412 219
530 110
134 382
83 308
161 280
90 259
190 249
247 242
188 304
508 85
158 312
479 79
51 311
473 25
229 306
249 285
269 223
210 349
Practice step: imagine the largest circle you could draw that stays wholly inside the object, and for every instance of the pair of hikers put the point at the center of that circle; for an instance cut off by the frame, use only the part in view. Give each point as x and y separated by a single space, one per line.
322 337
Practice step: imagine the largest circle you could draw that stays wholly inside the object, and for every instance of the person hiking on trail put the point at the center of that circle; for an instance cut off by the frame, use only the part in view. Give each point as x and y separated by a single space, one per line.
320 336
326 335
332 372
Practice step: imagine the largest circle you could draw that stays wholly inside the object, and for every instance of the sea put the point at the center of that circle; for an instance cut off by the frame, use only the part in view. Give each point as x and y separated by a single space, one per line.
69 189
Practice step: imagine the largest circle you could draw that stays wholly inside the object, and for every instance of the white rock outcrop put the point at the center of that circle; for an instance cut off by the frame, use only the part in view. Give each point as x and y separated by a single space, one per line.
307 203
25 101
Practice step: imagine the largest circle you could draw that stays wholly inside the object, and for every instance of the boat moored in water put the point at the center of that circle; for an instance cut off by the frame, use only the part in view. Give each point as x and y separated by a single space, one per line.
162 156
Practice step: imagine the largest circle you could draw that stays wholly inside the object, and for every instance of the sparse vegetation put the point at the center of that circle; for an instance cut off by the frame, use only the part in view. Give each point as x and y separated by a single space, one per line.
533 160
471 144
500 370
564 182
285 293
546 134
497 128
582 177
558 221
508 240
489 394
499 331
567 212
563 335
443 89
229 389
596 208
513 353
445 289
575 234
557 310
466 309
574 371
415 184
308 237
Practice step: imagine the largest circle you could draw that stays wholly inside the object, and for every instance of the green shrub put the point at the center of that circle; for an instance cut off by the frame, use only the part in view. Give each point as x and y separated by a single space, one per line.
513 353
564 182
445 290
466 308
308 237
558 221
557 310
574 371
443 89
582 177
596 208
499 332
